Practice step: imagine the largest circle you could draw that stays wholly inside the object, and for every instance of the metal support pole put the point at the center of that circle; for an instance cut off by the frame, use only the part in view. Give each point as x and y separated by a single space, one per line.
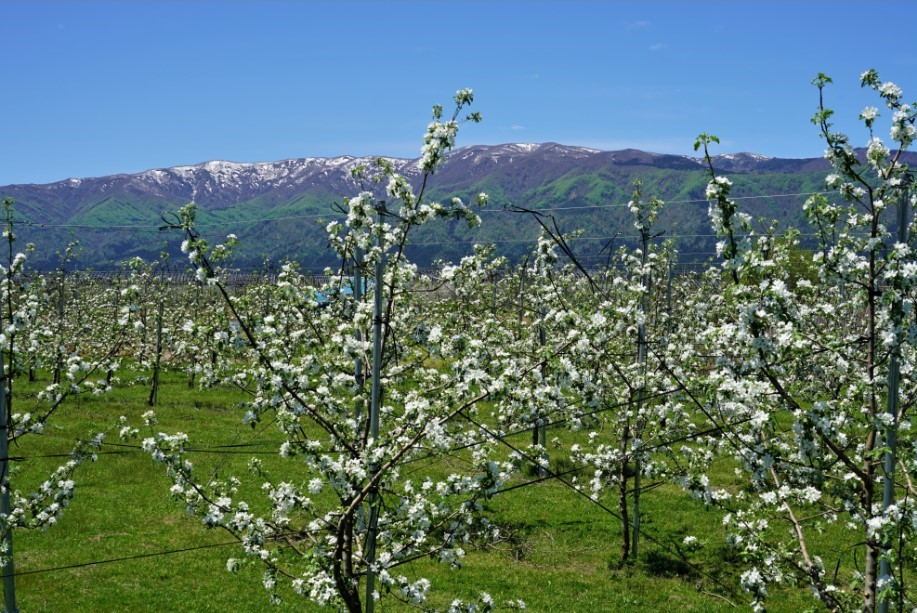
542 426
358 375
58 351
493 309
668 299
522 296
109 372
154 389
197 308
641 359
9 585
541 430
374 421
891 431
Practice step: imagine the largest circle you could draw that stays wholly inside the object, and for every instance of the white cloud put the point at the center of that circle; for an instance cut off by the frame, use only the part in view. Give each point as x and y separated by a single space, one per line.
636 25
658 47
517 127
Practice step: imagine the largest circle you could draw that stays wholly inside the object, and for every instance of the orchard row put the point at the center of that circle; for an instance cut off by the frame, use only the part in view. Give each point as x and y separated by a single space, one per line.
796 371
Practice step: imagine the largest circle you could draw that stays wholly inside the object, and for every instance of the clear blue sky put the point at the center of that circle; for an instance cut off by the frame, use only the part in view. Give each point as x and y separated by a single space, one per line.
91 88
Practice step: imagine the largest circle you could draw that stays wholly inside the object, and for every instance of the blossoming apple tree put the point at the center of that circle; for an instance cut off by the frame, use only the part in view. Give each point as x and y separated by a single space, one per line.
813 383
358 503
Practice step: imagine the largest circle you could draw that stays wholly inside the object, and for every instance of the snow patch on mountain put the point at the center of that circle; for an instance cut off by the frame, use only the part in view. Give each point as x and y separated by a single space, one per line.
741 156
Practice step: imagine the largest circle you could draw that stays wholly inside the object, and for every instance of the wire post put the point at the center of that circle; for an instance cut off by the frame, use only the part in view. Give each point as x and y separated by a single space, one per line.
374 419
891 430
154 389
522 295
494 307
58 351
540 434
668 298
358 375
9 581
641 360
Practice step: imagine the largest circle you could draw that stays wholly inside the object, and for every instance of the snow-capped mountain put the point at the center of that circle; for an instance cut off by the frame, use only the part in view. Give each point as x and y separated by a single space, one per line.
532 175
221 184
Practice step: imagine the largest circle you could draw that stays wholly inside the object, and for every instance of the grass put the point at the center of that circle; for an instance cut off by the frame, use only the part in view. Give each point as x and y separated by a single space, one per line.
559 551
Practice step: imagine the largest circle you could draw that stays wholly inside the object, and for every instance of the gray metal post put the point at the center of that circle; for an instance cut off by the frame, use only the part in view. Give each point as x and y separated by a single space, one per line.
154 389
541 430
522 295
9 585
358 375
58 352
668 298
641 359
197 308
374 421
493 309
891 431
109 372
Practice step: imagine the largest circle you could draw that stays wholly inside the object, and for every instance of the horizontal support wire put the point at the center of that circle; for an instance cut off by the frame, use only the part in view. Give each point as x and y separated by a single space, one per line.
559 478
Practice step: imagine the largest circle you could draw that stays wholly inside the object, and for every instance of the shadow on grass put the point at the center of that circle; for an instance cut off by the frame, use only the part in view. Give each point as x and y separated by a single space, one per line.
661 564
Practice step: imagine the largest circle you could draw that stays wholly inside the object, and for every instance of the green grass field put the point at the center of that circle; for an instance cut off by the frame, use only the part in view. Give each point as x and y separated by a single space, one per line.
560 553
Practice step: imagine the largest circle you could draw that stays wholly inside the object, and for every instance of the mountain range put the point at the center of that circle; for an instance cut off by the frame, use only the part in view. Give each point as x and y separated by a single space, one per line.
279 209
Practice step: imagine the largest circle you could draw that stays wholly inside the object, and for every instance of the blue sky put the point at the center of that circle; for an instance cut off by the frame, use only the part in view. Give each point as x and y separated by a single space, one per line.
91 88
